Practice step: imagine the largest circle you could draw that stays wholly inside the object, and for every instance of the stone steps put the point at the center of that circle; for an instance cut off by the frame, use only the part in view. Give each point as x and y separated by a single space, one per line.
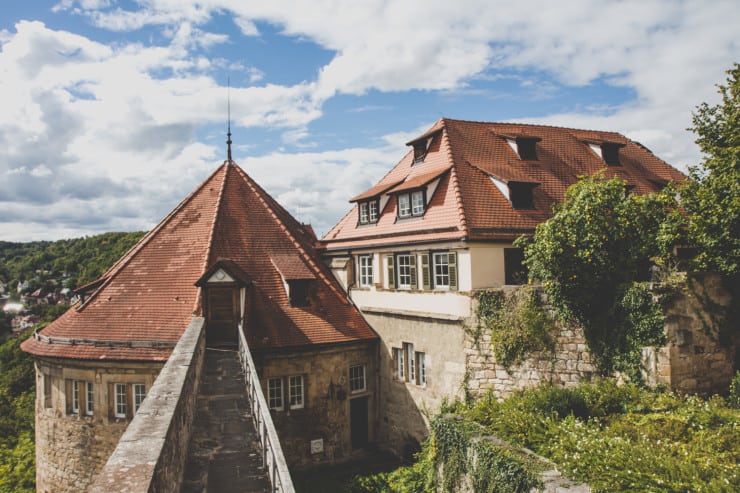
224 448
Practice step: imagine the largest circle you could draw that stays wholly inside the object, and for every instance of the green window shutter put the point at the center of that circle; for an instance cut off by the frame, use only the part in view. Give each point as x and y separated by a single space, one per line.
425 274
412 271
391 273
452 264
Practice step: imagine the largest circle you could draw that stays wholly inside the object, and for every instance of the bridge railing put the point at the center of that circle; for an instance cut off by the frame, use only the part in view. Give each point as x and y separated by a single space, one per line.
272 452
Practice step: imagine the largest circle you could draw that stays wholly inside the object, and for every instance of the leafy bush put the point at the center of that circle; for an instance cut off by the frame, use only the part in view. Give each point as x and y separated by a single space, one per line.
733 399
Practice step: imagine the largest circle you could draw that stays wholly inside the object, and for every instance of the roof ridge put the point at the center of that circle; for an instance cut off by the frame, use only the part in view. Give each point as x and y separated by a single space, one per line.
123 261
533 125
261 193
216 213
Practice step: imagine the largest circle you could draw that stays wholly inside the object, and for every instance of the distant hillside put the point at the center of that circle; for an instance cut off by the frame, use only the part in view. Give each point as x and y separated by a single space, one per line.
63 263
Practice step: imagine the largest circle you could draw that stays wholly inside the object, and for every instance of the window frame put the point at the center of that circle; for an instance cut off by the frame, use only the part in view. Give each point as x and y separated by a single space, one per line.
361 377
296 382
405 267
120 400
365 267
75 397
418 207
421 372
438 278
275 393
368 211
138 396
400 363
406 206
411 361
89 398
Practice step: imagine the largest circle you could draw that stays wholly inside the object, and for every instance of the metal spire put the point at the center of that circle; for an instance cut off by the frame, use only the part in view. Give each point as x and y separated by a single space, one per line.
228 133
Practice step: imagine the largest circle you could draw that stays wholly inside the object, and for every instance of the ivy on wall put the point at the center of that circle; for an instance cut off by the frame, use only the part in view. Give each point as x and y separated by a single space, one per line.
517 323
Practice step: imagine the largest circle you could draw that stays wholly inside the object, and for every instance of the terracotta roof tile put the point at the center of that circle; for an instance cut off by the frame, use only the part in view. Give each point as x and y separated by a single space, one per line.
149 296
469 203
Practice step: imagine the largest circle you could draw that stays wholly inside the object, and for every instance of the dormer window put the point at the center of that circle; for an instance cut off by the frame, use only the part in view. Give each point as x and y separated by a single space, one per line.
411 204
369 211
420 151
527 148
520 195
298 291
608 151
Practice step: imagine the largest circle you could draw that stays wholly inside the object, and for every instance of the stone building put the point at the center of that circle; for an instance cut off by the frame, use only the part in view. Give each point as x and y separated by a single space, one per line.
438 227
229 253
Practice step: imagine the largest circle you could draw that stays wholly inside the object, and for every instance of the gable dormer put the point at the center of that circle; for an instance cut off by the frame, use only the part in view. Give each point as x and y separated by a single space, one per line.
422 144
296 276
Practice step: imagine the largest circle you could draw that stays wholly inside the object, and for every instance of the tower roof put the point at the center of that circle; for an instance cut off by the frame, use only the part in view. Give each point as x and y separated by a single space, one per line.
140 307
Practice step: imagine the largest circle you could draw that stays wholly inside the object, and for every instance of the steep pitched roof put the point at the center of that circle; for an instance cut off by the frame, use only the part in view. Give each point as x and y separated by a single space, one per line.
469 157
140 307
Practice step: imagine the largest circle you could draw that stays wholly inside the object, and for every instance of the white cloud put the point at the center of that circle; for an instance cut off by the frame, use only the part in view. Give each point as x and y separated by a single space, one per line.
123 118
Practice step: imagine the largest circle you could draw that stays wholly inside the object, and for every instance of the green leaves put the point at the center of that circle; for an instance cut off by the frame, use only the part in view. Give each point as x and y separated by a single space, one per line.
588 255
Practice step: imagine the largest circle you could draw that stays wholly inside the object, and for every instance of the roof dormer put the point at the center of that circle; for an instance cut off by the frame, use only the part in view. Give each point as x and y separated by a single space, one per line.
607 151
296 277
421 145
525 146
519 193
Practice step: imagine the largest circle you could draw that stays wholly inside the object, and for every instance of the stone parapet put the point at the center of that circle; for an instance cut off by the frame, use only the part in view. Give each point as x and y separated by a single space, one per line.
151 454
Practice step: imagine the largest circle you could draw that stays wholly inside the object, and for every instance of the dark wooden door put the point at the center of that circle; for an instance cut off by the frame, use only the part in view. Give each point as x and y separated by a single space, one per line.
358 417
222 317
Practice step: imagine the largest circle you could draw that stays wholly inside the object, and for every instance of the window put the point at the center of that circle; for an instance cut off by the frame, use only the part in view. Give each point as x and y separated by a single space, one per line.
275 394
75 397
409 350
357 379
441 272
521 195
369 211
89 398
410 365
404 205
398 357
47 391
421 370
404 270
295 391
139 394
417 203
527 148
515 271
411 204
298 291
366 270
373 211
420 151
121 406
610 153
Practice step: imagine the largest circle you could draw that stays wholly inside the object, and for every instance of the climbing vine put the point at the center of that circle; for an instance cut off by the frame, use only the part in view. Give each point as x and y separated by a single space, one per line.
590 256
517 323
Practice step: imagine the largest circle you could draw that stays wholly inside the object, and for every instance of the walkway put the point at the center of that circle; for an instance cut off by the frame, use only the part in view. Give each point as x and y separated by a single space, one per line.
224 449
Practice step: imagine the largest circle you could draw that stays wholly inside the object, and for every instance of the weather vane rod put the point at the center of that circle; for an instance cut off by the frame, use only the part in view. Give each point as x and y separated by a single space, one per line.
228 111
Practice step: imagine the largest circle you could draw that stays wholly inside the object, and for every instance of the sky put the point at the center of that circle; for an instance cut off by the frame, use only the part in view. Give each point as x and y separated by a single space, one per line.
112 112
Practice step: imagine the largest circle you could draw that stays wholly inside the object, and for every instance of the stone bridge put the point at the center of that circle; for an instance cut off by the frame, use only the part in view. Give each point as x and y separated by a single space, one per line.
204 426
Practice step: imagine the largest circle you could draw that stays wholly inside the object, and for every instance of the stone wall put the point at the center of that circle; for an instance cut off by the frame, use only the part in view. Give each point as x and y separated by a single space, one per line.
151 454
693 360
402 424
71 447
568 365
325 416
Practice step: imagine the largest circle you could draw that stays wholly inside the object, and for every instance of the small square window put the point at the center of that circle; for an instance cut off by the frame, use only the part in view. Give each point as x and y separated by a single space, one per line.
357 379
275 394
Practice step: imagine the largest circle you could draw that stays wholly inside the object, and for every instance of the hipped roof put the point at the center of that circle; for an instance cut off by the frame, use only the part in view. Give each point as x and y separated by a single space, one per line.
141 306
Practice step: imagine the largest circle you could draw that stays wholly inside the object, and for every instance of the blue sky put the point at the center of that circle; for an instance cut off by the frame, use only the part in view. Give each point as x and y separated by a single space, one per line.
113 111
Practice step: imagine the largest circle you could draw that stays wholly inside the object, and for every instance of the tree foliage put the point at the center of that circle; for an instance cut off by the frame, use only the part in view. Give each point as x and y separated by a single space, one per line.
78 260
588 255
712 197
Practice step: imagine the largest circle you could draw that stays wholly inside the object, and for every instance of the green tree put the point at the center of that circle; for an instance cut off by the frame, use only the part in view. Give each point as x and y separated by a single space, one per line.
589 254
712 198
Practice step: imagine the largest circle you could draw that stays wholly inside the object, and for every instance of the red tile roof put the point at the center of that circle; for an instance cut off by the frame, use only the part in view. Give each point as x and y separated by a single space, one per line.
146 300
467 204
